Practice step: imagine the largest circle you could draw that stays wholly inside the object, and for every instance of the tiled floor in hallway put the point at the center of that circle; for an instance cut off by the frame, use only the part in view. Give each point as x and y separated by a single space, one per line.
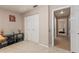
30 47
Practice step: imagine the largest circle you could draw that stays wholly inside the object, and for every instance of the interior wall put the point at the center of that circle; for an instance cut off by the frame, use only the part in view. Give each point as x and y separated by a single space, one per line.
43 22
9 27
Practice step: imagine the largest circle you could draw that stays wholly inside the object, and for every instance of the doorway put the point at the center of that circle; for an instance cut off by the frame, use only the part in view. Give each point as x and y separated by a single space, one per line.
62 31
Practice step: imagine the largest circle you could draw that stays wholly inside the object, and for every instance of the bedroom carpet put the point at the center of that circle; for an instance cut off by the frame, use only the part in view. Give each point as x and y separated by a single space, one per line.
30 47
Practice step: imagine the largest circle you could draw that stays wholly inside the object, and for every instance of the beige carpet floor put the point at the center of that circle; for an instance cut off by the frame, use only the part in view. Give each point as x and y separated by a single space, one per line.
30 47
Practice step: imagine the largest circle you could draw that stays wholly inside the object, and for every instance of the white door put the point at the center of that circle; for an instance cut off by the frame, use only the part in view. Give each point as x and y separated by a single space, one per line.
75 29
32 28
25 28
35 28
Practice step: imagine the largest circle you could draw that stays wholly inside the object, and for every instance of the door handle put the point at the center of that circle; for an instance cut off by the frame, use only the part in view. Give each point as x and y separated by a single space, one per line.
49 30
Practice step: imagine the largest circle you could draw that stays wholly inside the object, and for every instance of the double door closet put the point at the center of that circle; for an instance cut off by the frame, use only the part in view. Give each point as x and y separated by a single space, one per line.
32 28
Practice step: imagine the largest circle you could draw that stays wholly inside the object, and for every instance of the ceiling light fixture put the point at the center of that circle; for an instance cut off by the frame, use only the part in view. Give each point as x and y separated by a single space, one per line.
35 6
61 12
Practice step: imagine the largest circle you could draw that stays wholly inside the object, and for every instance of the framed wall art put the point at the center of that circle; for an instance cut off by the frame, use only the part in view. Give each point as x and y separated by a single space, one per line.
12 18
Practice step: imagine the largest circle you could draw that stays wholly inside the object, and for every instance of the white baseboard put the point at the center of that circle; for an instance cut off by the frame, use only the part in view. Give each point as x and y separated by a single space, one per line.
43 45
38 43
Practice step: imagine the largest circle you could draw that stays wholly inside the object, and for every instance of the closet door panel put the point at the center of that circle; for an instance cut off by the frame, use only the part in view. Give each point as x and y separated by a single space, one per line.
36 28
29 30
32 28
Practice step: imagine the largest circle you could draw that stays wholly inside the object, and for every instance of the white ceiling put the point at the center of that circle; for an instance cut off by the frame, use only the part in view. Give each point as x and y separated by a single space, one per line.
17 8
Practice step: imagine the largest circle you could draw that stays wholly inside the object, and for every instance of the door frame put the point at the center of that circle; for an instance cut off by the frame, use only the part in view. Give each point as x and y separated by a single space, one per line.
53 25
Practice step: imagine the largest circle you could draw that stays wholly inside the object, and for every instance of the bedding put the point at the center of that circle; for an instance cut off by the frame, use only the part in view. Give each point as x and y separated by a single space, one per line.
2 39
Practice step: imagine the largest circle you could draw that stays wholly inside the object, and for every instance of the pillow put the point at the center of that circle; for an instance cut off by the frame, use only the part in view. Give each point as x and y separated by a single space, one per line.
1 37
8 33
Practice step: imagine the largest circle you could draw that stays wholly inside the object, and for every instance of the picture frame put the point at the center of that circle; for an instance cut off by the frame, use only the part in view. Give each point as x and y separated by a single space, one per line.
12 18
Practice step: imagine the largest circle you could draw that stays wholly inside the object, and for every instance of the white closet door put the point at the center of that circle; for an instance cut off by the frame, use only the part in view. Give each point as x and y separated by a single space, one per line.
29 28
32 28
25 28
35 28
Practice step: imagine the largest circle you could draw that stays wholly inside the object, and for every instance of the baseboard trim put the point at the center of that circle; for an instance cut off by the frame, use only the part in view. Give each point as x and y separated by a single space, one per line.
43 45
73 52
38 43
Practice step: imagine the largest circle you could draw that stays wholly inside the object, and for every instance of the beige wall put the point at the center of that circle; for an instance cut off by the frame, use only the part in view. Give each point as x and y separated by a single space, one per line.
7 26
43 22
